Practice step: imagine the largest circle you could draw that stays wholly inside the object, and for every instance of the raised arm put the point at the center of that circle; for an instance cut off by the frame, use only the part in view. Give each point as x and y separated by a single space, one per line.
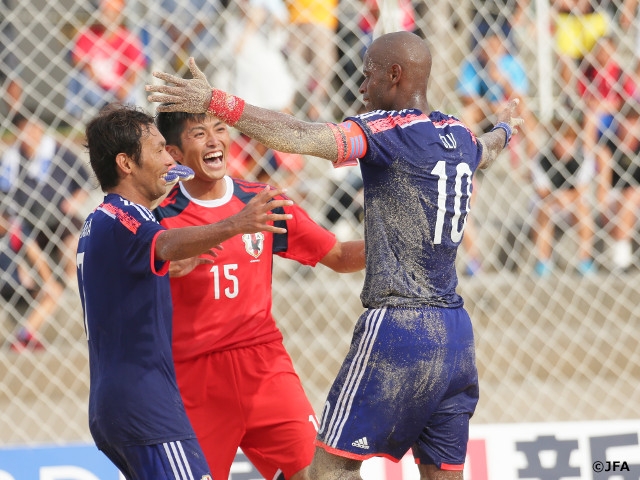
276 130
497 139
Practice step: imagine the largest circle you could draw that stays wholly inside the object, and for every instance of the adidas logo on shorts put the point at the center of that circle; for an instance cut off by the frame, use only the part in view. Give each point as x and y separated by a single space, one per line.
361 443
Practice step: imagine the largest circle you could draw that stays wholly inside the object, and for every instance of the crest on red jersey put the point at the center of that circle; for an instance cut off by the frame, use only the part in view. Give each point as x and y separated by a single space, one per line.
253 243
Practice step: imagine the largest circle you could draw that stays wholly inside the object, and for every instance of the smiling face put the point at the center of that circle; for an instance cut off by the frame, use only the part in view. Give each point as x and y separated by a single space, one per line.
155 161
205 148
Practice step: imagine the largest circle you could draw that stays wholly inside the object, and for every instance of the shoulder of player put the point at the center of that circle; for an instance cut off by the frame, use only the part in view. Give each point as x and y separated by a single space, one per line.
245 190
127 213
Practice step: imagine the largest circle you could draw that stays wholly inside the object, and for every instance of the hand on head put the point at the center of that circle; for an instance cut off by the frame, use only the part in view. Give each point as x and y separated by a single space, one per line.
191 95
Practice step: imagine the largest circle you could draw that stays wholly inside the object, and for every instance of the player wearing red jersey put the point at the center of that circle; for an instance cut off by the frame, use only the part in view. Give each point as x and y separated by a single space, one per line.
232 368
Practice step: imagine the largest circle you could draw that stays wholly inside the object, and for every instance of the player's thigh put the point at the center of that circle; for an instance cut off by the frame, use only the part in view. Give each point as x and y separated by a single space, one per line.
401 364
208 386
280 424
176 460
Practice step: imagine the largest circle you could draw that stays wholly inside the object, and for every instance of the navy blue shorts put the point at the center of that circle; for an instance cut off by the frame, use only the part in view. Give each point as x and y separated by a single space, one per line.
408 381
179 460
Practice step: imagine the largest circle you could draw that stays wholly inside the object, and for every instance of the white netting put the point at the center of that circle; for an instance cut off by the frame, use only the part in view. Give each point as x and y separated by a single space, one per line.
561 346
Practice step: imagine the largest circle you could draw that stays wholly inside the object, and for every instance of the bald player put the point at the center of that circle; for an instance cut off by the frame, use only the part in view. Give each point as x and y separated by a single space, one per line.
409 380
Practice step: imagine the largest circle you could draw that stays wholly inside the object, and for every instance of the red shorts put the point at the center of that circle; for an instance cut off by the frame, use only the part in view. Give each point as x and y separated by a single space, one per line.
253 399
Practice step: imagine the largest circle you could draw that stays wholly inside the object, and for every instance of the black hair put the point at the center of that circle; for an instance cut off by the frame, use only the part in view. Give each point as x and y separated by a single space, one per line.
172 124
116 129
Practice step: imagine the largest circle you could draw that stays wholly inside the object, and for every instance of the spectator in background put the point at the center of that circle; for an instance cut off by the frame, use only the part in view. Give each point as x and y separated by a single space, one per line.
10 86
259 59
313 53
26 283
603 86
184 28
577 28
501 16
619 182
108 60
489 77
561 178
46 184
373 21
630 18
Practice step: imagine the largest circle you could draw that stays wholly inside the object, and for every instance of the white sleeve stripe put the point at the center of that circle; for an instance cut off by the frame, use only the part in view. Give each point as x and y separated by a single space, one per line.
106 212
144 212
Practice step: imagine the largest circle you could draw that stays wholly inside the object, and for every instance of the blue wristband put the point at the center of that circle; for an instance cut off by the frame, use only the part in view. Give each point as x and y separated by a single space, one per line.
507 129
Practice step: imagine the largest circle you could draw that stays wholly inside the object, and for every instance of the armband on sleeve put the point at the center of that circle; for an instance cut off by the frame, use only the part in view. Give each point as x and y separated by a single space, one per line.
351 142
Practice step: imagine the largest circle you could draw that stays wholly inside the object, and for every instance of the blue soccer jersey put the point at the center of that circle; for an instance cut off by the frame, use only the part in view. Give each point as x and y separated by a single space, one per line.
417 175
125 293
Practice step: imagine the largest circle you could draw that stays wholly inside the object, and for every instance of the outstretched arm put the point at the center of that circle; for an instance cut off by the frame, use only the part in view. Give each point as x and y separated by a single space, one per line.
497 139
276 130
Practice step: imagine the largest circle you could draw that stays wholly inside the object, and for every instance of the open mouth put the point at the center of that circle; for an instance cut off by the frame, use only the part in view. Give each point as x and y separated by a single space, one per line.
213 158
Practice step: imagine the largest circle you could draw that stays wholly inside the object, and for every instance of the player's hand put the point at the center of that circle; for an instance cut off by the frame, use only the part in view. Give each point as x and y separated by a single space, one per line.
191 95
507 115
180 268
179 173
258 216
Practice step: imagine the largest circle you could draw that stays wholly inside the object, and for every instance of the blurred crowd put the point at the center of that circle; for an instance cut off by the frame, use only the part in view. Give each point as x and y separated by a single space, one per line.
581 156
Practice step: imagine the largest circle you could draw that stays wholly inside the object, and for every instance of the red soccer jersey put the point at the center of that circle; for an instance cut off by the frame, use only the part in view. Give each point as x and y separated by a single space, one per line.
228 304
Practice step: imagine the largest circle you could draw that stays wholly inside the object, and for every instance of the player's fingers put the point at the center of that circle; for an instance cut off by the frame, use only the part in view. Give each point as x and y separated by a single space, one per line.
516 122
167 77
206 261
278 204
274 229
267 195
195 71
513 102
169 103
166 89
278 217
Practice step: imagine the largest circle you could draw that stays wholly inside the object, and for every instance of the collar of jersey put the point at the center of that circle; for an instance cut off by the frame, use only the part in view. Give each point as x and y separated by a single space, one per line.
228 182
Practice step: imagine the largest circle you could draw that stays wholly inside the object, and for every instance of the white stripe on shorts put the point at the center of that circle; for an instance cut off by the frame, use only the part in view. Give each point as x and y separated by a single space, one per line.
178 460
354 376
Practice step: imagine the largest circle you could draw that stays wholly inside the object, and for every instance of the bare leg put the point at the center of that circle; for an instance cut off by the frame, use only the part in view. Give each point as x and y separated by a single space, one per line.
326 466
301 475
431 472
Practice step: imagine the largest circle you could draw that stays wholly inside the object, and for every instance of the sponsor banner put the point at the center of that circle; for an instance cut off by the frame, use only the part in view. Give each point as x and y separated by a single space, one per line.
547 451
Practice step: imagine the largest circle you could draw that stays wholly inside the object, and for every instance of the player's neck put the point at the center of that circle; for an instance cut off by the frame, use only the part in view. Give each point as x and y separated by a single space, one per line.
206 190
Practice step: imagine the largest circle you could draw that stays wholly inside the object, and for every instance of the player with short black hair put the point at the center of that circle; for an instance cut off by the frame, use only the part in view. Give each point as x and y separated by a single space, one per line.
136 415
232 367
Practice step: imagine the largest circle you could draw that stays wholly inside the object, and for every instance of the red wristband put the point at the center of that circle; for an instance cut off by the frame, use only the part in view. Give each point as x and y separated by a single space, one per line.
227 108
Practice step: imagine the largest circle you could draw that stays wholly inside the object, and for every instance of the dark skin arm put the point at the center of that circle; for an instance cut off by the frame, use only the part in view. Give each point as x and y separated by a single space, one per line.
284 132
493 142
